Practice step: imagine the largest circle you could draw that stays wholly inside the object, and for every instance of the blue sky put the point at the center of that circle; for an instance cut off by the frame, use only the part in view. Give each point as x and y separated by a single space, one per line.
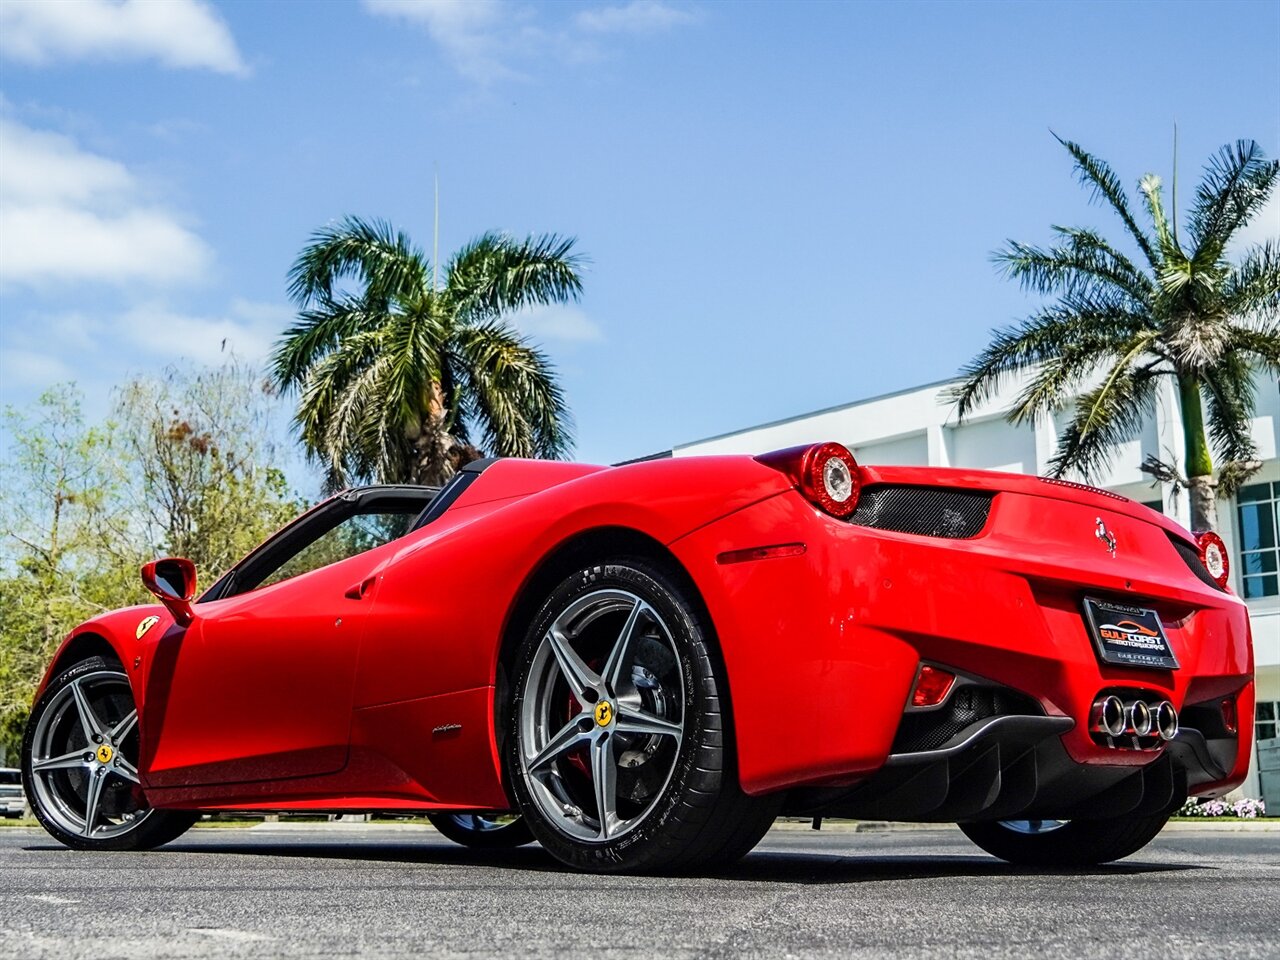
786 206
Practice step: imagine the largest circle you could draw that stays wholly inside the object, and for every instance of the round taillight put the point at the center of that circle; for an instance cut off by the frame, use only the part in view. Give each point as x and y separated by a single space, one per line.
829 478
1213 554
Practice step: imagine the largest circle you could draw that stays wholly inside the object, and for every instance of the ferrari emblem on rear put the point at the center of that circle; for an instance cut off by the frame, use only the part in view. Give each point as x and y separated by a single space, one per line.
145 625
1106 536
604 713
104 754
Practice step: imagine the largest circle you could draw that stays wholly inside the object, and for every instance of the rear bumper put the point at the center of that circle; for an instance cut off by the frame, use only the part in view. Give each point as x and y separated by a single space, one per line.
821 651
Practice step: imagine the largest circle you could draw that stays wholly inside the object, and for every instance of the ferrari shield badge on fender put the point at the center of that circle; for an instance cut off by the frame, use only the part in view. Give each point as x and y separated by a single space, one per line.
145 625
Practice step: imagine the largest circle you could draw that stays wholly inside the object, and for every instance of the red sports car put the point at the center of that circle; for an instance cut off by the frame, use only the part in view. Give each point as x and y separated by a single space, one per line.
642 666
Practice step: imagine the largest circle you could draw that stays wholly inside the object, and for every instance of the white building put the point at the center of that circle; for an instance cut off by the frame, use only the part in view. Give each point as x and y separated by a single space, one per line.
918 427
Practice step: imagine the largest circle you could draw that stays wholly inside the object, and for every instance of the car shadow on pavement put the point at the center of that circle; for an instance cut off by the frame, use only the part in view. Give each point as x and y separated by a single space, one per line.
791 867
760 866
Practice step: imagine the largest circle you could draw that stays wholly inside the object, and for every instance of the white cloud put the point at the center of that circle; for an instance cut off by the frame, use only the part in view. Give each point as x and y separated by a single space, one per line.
485 39
42 166
247 329
32 368
476 35
638 16
70 215
555 322
43 349
177 33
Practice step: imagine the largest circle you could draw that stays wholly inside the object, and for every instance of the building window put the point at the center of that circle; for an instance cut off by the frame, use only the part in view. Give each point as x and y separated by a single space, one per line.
1257 506
1156 505
1267 722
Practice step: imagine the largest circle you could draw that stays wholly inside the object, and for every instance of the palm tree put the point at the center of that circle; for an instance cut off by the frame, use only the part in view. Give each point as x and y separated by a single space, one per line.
403 379
1117 328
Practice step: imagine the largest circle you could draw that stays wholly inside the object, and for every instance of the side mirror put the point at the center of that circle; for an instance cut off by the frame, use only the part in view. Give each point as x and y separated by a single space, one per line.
173 580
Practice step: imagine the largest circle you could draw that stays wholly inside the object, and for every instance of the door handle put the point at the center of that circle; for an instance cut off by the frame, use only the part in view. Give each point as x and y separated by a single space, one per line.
361 589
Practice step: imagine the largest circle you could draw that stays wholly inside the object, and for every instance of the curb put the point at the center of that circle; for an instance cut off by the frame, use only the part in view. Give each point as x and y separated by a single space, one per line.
1270 825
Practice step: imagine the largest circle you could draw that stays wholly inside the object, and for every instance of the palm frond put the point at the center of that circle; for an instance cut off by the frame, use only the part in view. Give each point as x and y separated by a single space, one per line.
315 334
1151 189
1259 343
1230 399
414 343
1085 325
1085 264
1095 173
1236 184
355 438
1107 416
1058 377
496 273
1252 289
326 381
384 261
512 394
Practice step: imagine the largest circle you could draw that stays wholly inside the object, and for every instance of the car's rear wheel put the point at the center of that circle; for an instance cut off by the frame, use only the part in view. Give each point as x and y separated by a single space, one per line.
483 831
80 764
620 757
1065 843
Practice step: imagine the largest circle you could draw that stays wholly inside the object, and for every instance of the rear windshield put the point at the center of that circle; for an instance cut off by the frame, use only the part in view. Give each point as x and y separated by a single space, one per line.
10 776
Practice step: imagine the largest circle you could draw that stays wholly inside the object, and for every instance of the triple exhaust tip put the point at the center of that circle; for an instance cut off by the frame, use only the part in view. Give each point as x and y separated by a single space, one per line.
1115 718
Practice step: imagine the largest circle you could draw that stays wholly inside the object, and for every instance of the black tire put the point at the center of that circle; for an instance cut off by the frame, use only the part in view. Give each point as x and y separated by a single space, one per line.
1077 843
701 818
506 836
153 827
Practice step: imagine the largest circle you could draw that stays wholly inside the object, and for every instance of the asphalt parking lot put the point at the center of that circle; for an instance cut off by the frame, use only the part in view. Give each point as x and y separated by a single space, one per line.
373 892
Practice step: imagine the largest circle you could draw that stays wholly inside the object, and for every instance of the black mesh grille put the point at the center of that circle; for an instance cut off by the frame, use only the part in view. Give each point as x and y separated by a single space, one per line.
928 511
1192 556
968 704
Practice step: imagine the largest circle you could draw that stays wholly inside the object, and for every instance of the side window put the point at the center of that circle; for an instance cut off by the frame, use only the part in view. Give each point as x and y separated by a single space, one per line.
354 535
1266 722
1257 506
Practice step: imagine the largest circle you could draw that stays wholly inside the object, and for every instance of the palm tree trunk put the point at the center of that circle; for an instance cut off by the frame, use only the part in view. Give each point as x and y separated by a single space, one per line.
433 442
439 453
1202 486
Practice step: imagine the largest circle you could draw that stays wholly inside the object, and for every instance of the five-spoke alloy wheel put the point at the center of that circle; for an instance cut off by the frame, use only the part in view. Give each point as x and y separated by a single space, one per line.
80 757
618 758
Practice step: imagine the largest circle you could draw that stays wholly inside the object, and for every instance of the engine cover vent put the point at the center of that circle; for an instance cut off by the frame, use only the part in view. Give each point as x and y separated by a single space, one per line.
925 511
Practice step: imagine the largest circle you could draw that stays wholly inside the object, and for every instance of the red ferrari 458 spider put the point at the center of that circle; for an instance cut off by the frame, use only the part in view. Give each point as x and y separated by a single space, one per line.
642 666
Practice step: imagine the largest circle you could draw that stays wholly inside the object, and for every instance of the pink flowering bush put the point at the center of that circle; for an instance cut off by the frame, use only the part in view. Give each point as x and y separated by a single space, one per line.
1245 809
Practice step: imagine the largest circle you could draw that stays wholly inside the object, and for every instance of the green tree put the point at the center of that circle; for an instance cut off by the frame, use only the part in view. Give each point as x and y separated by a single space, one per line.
403 378
185 466
203 481
59 517
1117 327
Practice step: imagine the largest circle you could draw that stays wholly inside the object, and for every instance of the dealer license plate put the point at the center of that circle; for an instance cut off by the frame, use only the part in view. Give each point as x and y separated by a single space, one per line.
1128 636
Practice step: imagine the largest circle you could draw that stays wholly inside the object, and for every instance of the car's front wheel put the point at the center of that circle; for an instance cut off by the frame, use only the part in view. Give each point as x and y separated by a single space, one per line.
619 753
80 764
1065 843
